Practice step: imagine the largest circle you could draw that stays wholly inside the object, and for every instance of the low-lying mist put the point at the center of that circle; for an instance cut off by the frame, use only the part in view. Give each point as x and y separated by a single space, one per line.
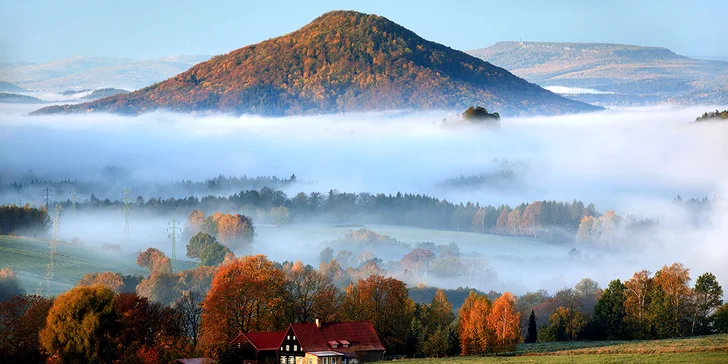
633 161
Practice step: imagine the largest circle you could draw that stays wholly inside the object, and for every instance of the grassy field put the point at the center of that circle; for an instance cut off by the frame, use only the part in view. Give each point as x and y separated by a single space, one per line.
707 349
306 241
29 259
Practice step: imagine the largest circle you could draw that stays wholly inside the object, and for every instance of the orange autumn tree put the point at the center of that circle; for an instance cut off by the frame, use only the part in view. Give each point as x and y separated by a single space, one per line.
246 295
385 303
504 323
232 230
195 220
155 260
113 281
636 304
473 320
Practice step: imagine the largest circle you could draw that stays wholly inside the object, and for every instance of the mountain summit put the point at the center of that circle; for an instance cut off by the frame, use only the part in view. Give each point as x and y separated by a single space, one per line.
343 61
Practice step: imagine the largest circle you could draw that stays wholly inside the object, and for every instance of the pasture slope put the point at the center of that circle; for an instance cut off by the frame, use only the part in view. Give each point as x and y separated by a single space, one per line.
29 259
705 349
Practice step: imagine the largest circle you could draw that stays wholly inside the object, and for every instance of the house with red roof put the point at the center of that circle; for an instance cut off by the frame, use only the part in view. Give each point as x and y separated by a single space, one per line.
314 343
259 347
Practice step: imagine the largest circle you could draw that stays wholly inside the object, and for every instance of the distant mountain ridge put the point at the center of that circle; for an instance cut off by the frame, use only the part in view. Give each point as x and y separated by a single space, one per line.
96 72
19 99
9 87
343 61
635 74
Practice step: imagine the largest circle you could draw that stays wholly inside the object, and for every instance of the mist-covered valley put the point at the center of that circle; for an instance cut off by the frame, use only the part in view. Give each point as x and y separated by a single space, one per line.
634 162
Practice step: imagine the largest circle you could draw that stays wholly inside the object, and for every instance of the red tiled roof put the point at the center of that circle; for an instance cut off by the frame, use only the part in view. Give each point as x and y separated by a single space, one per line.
360 334
263 341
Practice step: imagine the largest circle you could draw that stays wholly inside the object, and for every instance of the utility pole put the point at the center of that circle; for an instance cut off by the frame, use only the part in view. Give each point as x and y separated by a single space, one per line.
47 195
52 247
172 230
74 201
126 214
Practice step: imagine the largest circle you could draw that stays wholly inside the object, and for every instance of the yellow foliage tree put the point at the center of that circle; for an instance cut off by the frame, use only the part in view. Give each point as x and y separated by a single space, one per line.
473 319
80 325
504 323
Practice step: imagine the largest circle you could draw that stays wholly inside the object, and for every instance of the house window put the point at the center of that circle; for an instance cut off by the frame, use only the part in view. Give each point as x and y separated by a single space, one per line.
300 360
288 348
326 360
295 347
288 337
283 360
310 360
294 337
291 360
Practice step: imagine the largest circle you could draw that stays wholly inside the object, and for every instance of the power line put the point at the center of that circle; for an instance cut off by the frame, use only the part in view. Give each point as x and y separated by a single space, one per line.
52 247
47 195
126 213
172 230
74 201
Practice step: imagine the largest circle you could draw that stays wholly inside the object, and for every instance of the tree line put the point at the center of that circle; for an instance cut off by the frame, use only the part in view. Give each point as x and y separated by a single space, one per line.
112 179
106 319
713 115
550 220
19 220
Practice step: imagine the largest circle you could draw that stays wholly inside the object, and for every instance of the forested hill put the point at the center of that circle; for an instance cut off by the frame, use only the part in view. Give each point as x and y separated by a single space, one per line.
343 61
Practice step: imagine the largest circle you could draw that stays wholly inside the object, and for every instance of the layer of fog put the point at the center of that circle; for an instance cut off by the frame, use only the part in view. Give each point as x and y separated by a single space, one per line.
634 161
576 90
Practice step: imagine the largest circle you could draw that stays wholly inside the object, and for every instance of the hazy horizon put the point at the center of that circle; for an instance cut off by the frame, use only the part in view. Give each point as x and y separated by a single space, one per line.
36 33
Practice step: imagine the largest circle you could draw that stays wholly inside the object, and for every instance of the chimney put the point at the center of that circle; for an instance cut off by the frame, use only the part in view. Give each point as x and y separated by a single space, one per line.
318 323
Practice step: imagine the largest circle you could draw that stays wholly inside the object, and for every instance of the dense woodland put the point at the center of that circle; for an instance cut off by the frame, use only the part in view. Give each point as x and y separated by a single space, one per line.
343 61
563 222
168 315
553 220
111 180
23 219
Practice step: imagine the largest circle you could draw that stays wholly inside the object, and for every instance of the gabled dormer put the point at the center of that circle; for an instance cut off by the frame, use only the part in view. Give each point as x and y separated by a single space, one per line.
290 351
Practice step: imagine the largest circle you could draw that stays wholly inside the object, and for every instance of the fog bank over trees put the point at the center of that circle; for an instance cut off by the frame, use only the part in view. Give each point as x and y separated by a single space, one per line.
609 158
631 162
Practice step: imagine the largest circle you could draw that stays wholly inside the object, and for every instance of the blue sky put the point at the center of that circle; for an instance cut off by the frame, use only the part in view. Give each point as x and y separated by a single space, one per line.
44 30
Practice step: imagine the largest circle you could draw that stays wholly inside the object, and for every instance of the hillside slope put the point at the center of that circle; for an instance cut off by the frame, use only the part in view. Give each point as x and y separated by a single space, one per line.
11 98
9 87
628 74
97 72
343 61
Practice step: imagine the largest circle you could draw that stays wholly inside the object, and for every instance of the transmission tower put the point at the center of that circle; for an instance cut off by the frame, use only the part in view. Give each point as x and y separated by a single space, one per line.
172 230
47 196
126 214
52 247
39 288
74 201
